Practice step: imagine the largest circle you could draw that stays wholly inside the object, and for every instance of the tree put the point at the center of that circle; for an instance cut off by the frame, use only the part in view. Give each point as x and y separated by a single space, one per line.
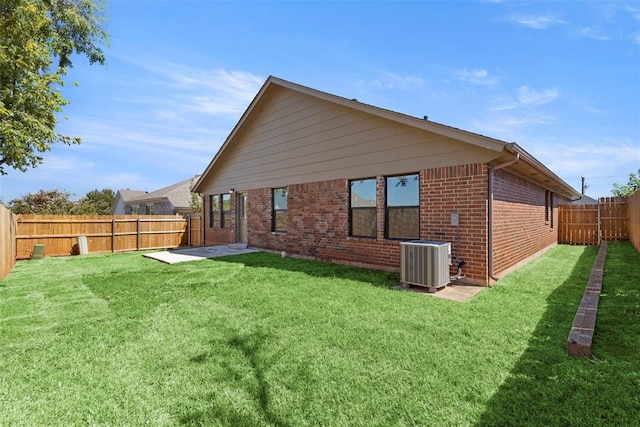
51 202
196 201
37 41
95 203
629 188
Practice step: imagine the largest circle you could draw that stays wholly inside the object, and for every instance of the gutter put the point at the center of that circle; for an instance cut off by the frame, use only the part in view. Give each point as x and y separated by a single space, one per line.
515 159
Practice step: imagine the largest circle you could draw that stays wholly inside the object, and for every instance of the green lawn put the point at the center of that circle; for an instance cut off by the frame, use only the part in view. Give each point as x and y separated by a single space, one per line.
260 340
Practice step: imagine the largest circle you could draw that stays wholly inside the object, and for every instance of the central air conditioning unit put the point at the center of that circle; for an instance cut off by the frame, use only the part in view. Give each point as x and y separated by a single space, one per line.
425 263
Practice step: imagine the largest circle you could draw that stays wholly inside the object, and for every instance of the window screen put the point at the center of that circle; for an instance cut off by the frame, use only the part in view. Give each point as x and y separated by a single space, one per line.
402 207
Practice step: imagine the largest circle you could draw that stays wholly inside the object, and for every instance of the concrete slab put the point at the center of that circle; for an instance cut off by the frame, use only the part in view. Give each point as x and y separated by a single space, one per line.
460 293
199 253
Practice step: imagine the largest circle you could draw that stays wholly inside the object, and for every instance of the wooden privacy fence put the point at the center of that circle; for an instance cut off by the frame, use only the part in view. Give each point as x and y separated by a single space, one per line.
104 233
634 219
7 241
590 224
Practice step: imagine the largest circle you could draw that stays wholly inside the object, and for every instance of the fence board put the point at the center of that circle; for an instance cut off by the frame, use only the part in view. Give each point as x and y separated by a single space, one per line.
634 219
614 218
194 237
589 224
7 241
105 233
578 225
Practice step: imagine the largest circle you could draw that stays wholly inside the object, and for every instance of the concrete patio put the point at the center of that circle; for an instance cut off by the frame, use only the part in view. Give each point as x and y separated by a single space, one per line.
199 253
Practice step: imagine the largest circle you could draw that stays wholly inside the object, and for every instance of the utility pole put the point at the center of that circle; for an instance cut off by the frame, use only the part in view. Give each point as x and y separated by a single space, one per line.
583 186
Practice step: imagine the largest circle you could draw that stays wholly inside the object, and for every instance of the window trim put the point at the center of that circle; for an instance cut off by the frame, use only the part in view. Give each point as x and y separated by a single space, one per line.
224 212
548 208
214 213
274 228
351 209
387 207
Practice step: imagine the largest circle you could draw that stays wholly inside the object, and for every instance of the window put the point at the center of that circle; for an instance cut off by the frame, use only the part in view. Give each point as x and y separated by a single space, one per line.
135 209
150 209
402 207
363 208
279 209
548 207
214 210
225 222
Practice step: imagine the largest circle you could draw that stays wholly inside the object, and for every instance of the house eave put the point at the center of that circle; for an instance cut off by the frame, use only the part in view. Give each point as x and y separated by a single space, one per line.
532 169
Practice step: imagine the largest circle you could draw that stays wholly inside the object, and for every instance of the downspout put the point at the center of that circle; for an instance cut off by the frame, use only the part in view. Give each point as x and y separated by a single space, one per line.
490 212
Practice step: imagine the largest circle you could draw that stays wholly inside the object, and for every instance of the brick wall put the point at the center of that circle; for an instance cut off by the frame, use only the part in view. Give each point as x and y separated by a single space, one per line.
462 190
520 226
318 218
218 236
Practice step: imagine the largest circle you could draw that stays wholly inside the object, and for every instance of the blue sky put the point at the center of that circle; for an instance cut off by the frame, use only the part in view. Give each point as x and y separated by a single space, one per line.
562 79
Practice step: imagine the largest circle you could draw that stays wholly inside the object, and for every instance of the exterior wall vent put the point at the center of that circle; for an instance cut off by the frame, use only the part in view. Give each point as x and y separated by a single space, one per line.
425 263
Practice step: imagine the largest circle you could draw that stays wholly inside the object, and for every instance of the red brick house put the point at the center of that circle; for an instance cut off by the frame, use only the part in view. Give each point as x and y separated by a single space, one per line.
321 176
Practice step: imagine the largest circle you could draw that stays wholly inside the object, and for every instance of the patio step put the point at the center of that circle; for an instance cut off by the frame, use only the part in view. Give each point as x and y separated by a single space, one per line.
584 323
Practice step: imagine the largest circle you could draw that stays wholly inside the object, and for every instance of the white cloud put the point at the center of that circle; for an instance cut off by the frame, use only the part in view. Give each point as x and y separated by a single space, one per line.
129 181
586 159
635 38
634 11
218 91
525 96
54 164
510 127
478 77
591 33
537 22
191 89
532 98
389 80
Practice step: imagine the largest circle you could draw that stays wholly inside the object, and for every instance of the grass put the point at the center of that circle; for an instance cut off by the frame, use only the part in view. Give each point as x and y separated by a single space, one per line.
258 340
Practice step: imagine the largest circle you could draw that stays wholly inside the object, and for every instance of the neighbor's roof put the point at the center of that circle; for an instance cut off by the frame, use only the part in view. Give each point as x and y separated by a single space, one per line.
179 194
585 200
127 195
526 165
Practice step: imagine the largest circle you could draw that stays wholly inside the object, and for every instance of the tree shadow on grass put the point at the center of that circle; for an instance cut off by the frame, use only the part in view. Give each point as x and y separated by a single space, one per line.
314 268
250 346
548 387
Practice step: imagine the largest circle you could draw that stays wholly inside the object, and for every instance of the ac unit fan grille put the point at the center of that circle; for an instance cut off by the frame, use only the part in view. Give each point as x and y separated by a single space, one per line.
425 263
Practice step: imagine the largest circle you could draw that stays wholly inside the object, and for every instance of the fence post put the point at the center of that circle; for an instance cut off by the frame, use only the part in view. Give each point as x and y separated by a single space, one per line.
138 233
189 230
599 224
113 234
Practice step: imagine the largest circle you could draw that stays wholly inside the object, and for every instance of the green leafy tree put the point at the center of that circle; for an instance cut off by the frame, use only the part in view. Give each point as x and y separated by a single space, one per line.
37 40
625 190
52 202
196 201
96 202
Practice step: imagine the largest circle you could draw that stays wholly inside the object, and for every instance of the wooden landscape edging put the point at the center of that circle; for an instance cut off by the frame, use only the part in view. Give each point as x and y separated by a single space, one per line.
584 323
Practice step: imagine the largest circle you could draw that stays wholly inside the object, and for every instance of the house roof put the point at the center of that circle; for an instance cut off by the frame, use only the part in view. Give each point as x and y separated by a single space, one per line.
127 195
585 200
526 164
122 197
179 194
